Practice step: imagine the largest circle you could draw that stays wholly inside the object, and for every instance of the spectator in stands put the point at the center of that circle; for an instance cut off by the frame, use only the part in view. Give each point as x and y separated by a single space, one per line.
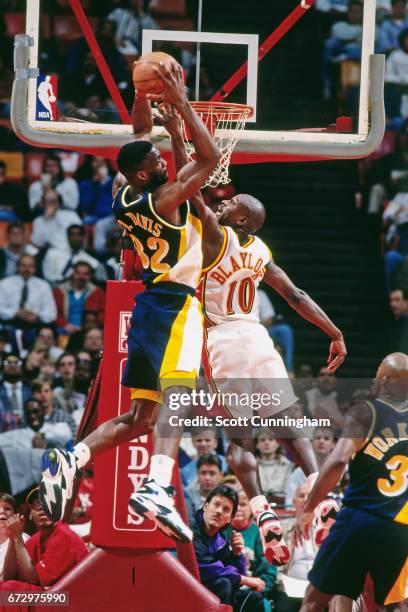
205 442
323 444
398 333
8 507
87 81
344 41
76 340
33 362
58 262
208 477
4 347
25 300
53 179
273 467
48 369
50 228
336 8
106 38
77 295
389 174
102 229
43 391
396 69
395 221
93 343
15 248
36 433
47 337
323 395
221 562
130 23
46 557
13 391
390 28
302 556
13 198
66 365
96 192
256 563
280 332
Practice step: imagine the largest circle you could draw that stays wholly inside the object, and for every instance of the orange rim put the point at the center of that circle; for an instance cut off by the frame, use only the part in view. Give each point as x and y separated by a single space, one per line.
219 109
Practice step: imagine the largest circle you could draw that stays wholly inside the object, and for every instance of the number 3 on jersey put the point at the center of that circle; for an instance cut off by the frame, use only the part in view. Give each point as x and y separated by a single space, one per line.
155 262
398 466
241 294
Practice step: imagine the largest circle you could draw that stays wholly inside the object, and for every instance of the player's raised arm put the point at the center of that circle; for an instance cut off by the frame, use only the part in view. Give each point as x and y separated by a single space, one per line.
193 175
142 120
213 235
300 301
353 436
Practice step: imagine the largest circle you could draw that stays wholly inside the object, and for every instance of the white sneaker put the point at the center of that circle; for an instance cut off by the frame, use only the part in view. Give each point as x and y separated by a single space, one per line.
156 503
324 517
274 546
58 472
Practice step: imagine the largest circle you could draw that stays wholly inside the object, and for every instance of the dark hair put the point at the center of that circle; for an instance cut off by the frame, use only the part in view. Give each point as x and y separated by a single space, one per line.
83 263
51 327
227 492
403 291
38 384
31 399
66 354
76 226
3 165
324 428
355 3
132 154
395 2
403 34
60 176
15 225
209 460
8 499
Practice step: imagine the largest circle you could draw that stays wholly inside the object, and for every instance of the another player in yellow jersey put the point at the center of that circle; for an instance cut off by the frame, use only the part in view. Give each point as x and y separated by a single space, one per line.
165 336
370 535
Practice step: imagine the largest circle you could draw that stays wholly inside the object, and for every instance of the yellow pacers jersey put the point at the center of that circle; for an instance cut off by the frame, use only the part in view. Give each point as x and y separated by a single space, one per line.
168 252
230 283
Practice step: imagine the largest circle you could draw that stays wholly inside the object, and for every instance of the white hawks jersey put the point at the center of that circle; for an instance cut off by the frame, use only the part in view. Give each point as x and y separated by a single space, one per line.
230 282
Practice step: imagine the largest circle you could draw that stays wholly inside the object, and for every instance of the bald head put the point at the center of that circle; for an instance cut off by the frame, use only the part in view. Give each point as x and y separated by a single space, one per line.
392 375
242 212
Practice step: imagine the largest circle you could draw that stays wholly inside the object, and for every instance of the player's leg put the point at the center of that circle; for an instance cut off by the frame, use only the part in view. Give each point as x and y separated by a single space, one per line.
60 467
154 500
245 468
314 600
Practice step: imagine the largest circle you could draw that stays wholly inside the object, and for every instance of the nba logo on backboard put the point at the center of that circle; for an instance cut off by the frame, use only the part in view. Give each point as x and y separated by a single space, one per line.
46 108
124 323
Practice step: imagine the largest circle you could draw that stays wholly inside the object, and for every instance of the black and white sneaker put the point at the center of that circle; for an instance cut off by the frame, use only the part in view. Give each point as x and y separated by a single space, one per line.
58 472
156 503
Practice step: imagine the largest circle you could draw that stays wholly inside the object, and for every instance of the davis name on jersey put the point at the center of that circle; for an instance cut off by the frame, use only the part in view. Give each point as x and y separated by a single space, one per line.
230 283
167 252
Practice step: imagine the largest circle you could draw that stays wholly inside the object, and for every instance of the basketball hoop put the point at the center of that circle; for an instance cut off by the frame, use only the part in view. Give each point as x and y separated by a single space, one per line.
226 122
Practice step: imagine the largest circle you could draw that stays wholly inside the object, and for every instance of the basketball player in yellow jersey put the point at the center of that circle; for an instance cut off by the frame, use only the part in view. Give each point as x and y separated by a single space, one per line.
370 535
165 335
238 346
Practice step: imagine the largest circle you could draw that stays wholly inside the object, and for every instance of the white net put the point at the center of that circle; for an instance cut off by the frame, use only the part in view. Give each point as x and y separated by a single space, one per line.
226 122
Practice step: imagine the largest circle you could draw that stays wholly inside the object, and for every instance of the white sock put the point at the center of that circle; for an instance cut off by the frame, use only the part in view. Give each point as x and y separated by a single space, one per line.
161 469
82 454
258 504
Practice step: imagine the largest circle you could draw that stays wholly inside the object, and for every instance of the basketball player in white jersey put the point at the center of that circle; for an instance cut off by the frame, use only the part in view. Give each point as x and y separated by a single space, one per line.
239 347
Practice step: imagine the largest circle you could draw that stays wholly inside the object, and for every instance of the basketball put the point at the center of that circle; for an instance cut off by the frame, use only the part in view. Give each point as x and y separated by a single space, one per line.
145 77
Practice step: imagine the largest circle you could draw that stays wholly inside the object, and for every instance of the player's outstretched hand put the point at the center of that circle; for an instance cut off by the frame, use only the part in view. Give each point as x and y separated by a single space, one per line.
302 528
337 354
169 118
174 92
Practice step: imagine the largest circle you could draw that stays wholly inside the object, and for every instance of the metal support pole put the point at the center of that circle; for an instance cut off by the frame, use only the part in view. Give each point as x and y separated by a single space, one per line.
198 54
